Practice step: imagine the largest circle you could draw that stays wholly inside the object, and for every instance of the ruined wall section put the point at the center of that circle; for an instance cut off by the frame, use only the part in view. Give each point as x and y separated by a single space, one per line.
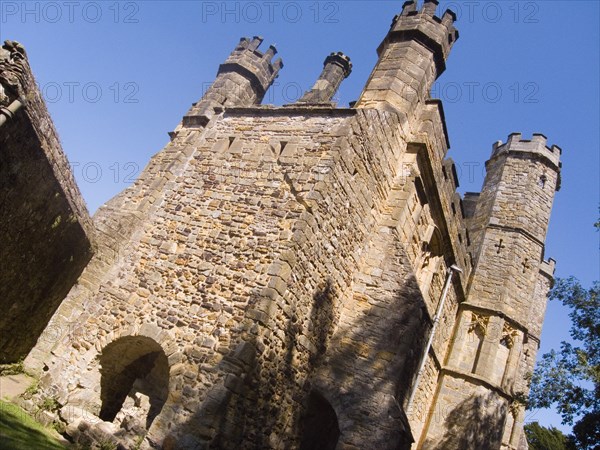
387 299
252 238
362 371
442 216
343 185
47 232
117 224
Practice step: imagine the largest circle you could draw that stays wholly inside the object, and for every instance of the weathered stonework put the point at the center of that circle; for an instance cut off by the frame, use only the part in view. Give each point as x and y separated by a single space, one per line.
46 231
272 278
336 68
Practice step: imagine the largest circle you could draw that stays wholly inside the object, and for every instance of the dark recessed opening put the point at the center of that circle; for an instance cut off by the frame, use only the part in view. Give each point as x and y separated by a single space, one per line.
320 429
134 367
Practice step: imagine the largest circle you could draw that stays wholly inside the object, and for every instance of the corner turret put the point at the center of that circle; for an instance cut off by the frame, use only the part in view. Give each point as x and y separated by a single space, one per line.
411 57
424 26
537 145
516 167
499 325
242 80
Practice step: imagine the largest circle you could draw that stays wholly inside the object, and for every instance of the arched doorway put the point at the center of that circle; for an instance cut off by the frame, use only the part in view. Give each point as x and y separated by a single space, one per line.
320 429
134 377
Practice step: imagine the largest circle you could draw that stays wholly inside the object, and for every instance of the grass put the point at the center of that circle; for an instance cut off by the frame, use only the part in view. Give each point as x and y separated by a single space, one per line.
31 390
18 431
12 369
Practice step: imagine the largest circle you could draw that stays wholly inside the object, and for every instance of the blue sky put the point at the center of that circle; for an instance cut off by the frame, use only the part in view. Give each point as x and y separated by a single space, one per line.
117 76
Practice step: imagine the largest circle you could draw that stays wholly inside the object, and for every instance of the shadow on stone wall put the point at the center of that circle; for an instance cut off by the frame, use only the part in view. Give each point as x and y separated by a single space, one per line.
321 422
476 423
241 411
45 246
322 319
371 366
364 372
45 229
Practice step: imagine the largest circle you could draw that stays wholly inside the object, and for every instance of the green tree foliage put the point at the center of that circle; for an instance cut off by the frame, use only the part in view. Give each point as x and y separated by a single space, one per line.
542 438
570 378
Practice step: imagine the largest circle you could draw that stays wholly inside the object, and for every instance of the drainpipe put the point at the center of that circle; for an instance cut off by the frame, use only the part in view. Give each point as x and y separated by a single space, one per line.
436 320
10 110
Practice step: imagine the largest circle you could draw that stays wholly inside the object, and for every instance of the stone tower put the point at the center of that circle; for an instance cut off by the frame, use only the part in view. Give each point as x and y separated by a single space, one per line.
242 80
411 57
498 327
303 276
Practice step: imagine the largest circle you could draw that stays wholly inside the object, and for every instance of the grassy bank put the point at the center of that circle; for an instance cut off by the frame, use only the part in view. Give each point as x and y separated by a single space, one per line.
18 431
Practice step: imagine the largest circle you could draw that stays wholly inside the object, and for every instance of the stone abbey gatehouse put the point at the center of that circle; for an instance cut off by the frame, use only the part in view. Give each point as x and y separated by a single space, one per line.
294 277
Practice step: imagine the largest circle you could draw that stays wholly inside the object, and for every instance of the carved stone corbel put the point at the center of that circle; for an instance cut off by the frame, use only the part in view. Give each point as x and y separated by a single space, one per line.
479 323
509 335
13 52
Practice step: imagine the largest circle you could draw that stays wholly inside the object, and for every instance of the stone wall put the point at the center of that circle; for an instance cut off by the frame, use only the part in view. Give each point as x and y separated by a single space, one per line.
46 230
277 237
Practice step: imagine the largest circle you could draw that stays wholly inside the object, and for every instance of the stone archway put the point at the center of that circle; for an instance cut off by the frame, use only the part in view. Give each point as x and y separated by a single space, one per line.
134 380
320 428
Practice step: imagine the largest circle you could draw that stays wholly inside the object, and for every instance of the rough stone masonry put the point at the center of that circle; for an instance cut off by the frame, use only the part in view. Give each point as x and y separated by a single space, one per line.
275 276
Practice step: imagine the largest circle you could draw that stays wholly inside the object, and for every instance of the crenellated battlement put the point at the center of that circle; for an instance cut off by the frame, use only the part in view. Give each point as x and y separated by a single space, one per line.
340 59
242 80
429 8
437 34
254 64
548 268
537 145
247 44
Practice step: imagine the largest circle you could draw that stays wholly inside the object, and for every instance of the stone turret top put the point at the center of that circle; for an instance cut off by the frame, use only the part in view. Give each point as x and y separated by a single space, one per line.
336 68
437 34
341 60
537 144
252 63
